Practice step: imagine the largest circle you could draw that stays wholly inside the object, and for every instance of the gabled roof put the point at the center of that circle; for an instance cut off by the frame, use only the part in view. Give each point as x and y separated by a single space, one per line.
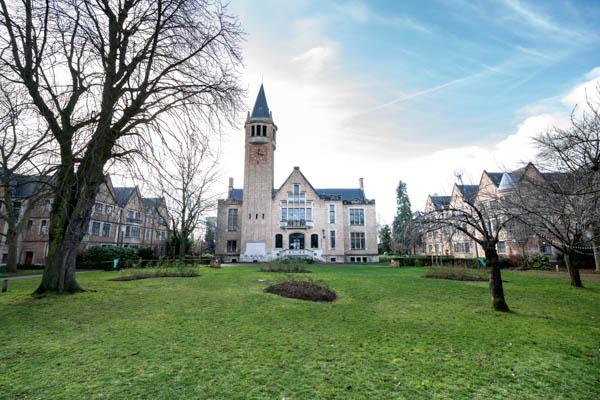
440 201
151 203
495 177
23 186
123 194
469 192
261 108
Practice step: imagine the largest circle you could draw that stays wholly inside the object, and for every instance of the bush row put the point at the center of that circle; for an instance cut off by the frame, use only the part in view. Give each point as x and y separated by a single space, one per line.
536 262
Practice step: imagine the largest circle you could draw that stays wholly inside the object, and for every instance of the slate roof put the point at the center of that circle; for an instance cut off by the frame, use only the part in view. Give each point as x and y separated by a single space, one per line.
151 202
468 191
123 194
440 201
347 195
23 186
261 108
496 177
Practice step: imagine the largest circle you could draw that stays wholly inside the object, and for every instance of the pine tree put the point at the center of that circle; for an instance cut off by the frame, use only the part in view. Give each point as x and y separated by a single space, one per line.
402 218
385 237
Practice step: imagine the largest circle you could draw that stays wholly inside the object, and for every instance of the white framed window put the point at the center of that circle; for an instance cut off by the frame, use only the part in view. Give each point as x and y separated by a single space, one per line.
95 228
98 207
332 213
106 230
232 220
47 205
44 227
357 240
357 216
108 209
332 239
502 247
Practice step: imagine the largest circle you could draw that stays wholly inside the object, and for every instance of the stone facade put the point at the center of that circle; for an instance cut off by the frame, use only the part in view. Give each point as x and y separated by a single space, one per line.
120 217
492 185
262 223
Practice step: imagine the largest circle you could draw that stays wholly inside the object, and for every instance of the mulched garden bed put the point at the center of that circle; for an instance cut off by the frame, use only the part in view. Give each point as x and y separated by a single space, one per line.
158 274
289 269
304 290
455 274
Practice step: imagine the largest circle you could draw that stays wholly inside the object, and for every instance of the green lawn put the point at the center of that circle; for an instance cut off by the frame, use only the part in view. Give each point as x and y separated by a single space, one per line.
390 334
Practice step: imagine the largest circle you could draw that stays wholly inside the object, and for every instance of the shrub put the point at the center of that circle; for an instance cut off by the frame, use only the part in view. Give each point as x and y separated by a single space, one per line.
456 274
294 269
288 260
158 273
302 289
99 257
538 262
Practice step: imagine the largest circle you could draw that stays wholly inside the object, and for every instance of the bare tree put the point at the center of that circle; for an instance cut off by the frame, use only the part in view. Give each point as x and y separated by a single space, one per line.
104 74
551 205
22 149
186 175
478 217
576 150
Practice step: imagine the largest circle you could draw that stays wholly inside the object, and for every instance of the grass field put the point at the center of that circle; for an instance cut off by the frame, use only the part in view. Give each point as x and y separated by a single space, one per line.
390 334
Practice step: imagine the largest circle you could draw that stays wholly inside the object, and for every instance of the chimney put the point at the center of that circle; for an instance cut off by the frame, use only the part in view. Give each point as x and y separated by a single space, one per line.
230 184
297 168
361 184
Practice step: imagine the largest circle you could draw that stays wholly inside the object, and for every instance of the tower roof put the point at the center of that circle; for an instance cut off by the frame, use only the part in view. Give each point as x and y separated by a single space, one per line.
261 108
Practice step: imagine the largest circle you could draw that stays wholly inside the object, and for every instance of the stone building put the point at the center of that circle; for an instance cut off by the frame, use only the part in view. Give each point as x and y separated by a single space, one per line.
514 242
261 222
120 217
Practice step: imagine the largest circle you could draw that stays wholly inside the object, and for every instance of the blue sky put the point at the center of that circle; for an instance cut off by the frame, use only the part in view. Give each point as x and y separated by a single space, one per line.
393 90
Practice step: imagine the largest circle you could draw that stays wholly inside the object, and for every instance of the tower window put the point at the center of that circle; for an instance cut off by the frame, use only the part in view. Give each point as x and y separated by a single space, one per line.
249 216
252 129
263 216
256 216
264 130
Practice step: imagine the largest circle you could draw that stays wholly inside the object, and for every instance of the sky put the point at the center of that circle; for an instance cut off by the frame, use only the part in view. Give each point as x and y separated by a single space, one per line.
411 90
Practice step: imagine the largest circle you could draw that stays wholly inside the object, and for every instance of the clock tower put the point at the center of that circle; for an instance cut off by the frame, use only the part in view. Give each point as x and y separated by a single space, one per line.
260 140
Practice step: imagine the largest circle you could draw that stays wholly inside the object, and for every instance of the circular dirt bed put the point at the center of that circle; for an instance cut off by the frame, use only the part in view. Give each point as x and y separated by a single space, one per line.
136 277
304 290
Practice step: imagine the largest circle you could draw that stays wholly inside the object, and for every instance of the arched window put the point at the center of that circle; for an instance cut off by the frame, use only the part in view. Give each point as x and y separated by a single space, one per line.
279 241
314 241
297 241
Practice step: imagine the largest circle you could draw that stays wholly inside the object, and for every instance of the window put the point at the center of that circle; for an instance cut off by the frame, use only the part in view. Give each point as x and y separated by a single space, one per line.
106 230
147 234
133 231
357 216
332 239
44 227
284 214
249 216
296 189
462 247
296 241
502 247
232 219
279 241
17 209
332 213
29 224
314 241
108 209
332 259
232 246
95 228
309 214
357 240
546 249
47 205
98 207
252 128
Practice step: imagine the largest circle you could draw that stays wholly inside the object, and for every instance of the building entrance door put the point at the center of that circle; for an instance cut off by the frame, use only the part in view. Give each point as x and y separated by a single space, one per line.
297 241
28 257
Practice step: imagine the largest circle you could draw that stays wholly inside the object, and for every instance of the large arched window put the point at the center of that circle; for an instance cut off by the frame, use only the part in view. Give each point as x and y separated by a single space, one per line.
314 241
296 241
279 241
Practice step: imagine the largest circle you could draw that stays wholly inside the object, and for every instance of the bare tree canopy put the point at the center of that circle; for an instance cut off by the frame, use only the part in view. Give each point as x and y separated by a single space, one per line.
476 216
104 75
185 176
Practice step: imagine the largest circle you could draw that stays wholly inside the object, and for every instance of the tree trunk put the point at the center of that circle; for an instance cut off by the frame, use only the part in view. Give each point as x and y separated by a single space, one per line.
12 238
496 288
572 269
69 219
596 246
182 242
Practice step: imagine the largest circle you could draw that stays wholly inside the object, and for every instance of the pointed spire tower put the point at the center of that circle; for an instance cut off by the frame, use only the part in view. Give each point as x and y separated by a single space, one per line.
259 165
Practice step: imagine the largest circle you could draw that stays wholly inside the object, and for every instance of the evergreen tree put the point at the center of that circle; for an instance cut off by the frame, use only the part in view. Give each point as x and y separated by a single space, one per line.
402 219
209 238
385 237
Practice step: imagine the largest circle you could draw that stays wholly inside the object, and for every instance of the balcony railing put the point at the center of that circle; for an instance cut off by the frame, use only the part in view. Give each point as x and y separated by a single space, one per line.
296 224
